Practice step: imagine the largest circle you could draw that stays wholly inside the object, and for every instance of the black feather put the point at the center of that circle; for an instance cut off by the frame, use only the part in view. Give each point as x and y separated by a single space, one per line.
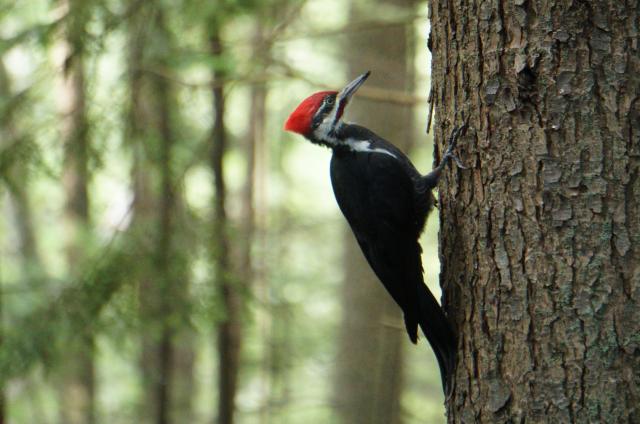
386 202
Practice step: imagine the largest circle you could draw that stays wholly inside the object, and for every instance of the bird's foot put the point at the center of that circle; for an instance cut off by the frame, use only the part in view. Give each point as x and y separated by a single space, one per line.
448 395
453 140
455 158
432 177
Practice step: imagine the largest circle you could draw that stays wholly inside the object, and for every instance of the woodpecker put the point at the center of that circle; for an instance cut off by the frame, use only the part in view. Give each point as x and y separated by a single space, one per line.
386 202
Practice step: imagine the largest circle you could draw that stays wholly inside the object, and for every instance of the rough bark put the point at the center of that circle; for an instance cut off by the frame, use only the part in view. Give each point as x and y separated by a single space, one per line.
77 378
368 377
229 328
540 241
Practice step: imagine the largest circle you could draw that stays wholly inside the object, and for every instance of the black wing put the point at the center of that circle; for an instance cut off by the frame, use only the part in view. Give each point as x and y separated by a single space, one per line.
376 196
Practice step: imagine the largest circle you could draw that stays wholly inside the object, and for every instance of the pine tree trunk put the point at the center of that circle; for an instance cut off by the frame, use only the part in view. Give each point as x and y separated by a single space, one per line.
5 92
540 237
15 178
255 146
140 135
167 343
229 329
369 374
164 254
78 374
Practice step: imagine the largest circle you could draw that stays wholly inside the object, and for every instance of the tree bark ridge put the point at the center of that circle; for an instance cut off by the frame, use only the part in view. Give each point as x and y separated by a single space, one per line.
540 240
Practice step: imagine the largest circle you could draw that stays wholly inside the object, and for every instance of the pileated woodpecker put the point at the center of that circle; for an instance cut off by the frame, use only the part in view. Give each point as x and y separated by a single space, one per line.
386 202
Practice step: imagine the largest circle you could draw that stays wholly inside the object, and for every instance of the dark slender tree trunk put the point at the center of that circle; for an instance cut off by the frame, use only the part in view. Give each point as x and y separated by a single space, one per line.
164 252
144 205
15 178
32 268
255 137
183 364
166 368
229 328
4 91
252 215
78 374
540 237
369 374
140 136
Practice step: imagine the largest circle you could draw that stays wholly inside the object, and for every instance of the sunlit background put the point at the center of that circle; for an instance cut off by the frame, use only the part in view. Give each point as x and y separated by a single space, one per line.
120 274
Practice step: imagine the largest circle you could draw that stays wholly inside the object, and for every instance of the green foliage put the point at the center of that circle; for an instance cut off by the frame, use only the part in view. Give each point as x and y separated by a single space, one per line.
131 272
43 335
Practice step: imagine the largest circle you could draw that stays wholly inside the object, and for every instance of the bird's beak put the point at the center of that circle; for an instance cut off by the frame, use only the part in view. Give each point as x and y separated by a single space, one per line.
345 95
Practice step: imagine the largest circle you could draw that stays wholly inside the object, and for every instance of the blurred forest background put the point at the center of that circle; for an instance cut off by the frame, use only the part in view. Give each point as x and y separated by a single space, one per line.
168 253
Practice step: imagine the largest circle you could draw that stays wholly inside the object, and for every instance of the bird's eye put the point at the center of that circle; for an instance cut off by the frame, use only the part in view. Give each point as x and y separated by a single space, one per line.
329 100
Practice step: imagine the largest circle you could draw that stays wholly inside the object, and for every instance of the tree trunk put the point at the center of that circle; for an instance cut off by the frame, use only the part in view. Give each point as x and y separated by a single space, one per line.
78 374
5 93
164 281
167 342
164 253
144 205
368 379
255 213
229 329
540 237
16 181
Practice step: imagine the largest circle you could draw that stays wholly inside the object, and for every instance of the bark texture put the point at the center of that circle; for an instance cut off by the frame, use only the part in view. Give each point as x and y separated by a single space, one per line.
540 237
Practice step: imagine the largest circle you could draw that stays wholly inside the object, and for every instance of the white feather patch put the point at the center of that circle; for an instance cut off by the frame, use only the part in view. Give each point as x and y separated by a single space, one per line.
365 146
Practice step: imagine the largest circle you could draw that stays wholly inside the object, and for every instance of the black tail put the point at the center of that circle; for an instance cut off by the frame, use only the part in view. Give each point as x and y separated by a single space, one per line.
436 328
400 270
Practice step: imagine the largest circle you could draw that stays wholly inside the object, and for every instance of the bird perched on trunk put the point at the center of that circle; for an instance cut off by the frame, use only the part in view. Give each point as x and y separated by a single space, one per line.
386 202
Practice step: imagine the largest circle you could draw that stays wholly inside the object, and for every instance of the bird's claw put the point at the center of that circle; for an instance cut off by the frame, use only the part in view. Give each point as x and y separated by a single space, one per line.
448 395
432 177
458 162
453 140
455 135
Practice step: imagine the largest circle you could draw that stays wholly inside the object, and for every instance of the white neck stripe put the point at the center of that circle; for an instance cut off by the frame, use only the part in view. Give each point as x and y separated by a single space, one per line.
365 146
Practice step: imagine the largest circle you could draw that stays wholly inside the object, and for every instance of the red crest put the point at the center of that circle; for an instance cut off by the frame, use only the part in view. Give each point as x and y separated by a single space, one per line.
300 120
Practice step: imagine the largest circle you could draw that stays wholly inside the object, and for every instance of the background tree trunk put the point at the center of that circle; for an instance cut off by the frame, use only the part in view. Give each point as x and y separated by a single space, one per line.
540 237
167 344
16 180
229 329
368 377
77 372
253 216
138 132
163 309
6 133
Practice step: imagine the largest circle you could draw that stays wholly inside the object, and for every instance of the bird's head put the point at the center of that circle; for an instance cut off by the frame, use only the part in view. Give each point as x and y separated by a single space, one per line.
319 116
